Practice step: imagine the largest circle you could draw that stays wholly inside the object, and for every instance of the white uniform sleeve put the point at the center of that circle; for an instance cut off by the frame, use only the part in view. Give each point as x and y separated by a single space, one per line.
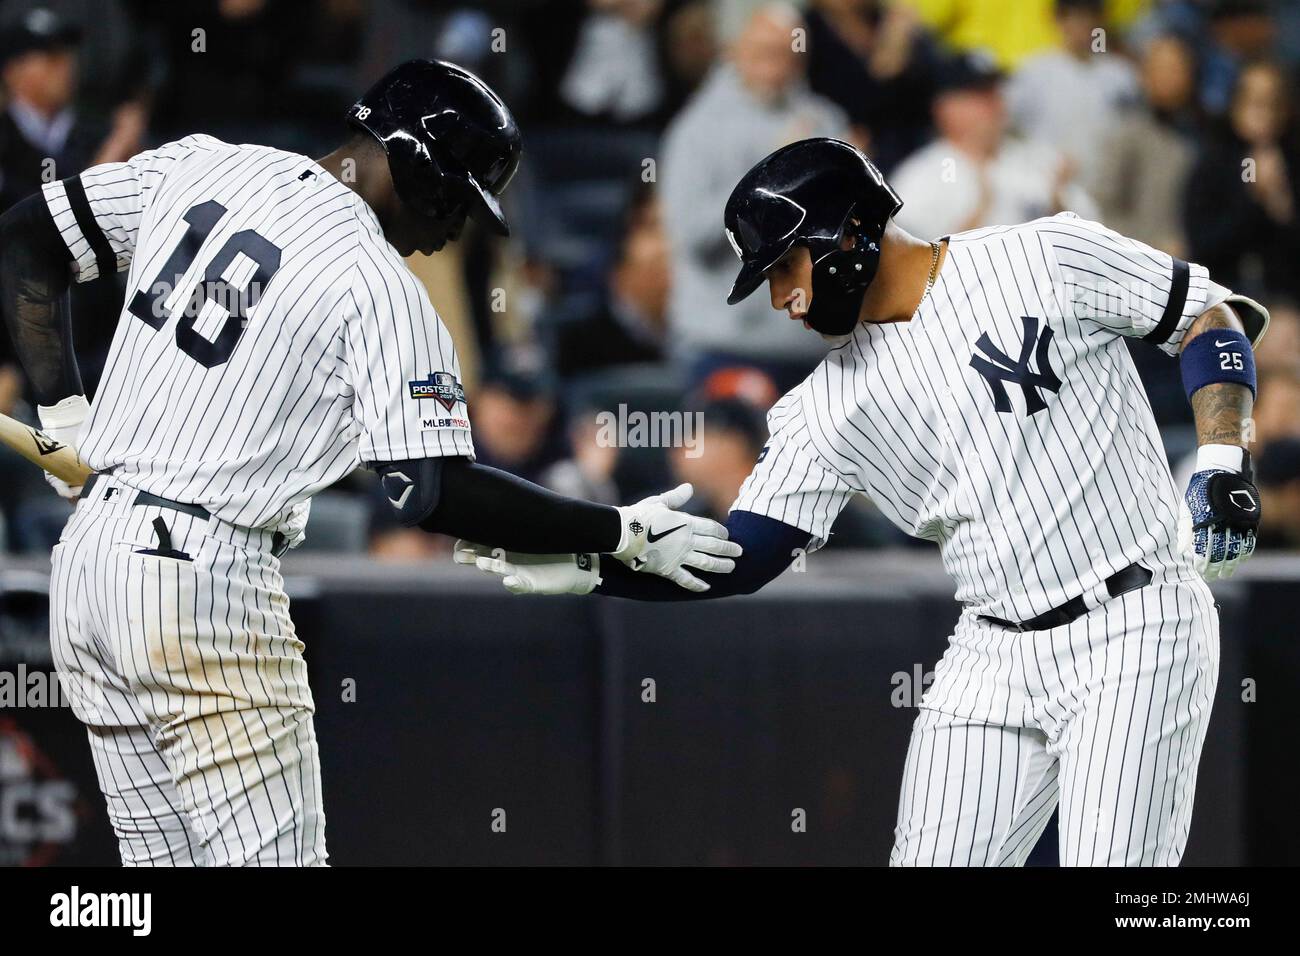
1124 285
790 482
408 398
98 212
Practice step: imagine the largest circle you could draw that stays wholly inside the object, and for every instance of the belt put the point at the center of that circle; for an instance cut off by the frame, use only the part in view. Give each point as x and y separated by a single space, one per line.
143 498
1121 582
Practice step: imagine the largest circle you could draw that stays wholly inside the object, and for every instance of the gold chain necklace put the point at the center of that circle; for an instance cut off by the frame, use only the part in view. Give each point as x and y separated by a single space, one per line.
934 270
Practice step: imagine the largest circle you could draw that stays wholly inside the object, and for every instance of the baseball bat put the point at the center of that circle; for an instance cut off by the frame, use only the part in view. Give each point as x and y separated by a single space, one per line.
61 461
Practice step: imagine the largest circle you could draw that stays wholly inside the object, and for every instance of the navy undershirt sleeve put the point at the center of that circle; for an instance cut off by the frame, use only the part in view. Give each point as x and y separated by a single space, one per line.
769 548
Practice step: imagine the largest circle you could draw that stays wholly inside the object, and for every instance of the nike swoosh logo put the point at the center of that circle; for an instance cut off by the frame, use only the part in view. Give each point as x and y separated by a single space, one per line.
651 537
1219 345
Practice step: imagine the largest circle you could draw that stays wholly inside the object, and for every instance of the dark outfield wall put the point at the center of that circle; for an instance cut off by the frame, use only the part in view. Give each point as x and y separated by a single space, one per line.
461 726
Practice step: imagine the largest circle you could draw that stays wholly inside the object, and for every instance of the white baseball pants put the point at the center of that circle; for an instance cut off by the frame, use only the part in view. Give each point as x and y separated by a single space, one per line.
189 676
1105 716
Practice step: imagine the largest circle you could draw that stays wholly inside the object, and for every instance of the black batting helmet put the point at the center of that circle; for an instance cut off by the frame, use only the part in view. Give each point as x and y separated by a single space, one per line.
813 192
450 140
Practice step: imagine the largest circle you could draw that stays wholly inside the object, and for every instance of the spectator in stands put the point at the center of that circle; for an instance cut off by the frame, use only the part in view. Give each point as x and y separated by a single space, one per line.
615 62
876 61
590 472
690 49
615 71
1280 349
1277 470
1010 30
516 421
730 407
1277 409
232 77
974 174
754 103
1236 32
43 138
1241 198
1288 33
1184 18
1225 34
628 323
1072 97
733 432
1141 168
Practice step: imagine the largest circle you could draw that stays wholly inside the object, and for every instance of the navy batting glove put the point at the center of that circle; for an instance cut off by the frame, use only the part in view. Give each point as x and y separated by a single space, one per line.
1225 516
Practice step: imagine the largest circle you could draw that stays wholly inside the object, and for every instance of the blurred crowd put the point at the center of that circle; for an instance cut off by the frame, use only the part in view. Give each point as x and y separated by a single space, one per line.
1172 121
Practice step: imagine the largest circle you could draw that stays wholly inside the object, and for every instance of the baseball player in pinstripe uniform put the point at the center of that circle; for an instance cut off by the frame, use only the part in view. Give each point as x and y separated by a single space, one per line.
979 391
272 340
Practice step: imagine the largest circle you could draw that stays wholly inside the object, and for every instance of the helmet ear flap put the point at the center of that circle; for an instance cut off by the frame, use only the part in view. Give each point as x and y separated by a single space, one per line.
429 183
840 280
845 271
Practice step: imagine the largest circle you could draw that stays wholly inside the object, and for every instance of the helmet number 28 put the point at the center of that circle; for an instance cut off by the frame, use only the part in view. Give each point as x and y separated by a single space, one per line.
149 304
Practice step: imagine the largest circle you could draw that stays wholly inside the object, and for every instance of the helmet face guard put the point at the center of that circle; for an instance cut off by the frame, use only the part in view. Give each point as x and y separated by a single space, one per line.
452 145
814 193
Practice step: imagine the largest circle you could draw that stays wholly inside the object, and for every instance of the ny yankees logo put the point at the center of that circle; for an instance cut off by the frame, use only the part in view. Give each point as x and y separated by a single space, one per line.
1005 370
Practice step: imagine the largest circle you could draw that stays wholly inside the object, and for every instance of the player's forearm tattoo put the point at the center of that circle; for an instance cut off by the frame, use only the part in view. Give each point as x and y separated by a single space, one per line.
1222 410
1219 317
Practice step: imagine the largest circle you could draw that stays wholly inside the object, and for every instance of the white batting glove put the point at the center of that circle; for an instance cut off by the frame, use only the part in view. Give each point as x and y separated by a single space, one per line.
62 422
295 525
659 539
533 573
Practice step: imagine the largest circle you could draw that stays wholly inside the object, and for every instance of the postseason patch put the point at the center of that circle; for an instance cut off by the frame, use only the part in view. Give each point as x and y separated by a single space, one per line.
441 386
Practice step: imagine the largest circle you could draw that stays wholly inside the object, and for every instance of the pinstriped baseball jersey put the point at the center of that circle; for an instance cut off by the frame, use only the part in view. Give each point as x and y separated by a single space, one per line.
271 338
1005 421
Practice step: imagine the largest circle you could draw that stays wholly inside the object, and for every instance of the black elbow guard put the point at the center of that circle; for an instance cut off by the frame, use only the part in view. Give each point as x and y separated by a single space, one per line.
412 487
28 227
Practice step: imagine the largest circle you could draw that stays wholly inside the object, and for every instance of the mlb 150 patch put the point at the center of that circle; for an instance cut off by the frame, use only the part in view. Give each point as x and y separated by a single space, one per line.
437 424
441 386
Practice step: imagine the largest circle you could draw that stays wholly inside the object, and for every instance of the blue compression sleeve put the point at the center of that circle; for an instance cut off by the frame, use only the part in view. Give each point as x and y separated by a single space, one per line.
769 548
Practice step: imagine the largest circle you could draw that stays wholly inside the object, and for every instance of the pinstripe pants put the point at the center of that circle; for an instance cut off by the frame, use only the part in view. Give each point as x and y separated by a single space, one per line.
1105 716
190 679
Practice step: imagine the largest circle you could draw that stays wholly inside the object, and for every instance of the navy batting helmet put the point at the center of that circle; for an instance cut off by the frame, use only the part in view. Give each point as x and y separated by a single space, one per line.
451 142
813 192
